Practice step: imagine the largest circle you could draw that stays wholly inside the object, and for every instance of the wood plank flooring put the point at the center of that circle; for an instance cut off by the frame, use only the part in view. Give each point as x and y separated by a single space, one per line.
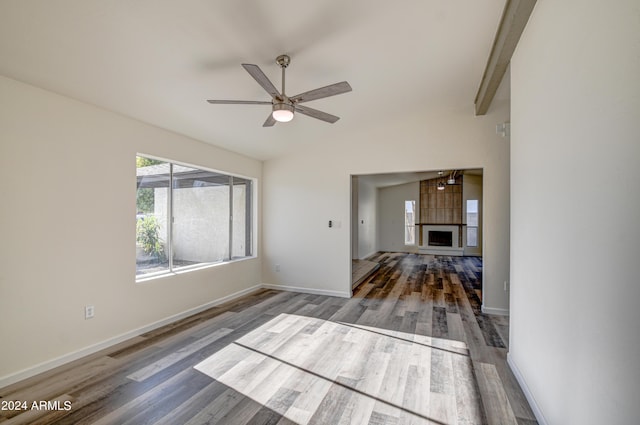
411 347
361 270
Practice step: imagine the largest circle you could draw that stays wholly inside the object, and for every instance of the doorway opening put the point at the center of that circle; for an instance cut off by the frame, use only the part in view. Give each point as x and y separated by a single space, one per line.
446 216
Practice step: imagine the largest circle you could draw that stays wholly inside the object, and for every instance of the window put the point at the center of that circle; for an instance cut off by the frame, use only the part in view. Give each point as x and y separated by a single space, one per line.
187 216
409 222
472 222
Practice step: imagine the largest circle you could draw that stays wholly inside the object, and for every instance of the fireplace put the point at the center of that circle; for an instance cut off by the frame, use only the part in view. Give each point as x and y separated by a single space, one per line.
440 238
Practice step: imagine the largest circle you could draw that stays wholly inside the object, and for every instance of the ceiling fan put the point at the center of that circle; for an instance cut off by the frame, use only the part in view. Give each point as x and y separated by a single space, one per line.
284 106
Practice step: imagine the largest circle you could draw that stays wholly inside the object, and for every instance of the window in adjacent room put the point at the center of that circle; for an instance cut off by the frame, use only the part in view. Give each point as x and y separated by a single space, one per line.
409 222
472 222
188 216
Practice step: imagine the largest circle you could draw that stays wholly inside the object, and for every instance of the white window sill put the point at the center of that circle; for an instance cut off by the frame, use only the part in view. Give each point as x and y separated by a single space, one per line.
187 269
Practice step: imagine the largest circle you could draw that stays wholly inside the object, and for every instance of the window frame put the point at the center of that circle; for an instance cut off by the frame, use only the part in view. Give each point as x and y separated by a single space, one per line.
407 226
472 228
250 220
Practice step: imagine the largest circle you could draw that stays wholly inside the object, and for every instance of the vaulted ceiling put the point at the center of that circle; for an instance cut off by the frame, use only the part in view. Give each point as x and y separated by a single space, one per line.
159 60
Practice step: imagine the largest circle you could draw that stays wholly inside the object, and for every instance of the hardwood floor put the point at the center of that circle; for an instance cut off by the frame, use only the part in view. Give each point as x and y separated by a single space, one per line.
361 270
411 347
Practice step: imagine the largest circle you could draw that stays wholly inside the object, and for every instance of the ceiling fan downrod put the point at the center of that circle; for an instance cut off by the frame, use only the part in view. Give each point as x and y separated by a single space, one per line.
283 61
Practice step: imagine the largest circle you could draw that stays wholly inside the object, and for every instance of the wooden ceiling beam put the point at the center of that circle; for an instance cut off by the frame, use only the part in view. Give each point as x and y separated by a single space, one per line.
514 18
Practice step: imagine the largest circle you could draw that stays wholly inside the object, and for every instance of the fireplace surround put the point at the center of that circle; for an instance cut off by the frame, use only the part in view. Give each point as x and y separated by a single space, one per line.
441 239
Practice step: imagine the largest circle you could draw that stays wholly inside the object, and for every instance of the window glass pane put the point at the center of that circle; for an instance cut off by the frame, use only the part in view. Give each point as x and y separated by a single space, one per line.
151 216
472 236
241 238
409 222
188 216
200 216
472 212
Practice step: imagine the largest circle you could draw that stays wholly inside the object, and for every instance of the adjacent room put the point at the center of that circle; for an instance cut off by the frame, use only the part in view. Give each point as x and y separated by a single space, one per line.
319 212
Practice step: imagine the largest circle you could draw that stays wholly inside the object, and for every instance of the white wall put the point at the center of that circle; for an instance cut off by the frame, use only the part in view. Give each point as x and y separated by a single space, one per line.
367 219
296 210
391 212
575 168
67 181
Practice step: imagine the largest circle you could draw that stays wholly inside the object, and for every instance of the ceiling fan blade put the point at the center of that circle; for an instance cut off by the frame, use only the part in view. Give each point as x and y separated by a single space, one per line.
314 113
332 90
258 75
270 121
239 102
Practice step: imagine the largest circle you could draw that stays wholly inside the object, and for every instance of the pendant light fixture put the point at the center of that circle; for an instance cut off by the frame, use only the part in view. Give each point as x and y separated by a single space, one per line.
452 177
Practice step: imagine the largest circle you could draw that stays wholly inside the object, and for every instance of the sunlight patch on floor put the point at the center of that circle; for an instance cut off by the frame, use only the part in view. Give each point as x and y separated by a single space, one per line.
313 370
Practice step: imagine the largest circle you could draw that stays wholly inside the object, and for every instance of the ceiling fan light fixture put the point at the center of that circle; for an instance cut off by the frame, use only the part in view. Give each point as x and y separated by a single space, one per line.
282 112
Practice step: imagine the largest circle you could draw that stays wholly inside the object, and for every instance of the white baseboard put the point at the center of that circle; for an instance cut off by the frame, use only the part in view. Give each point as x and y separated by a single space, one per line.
314 291
75 355
371 254
525 389
496 311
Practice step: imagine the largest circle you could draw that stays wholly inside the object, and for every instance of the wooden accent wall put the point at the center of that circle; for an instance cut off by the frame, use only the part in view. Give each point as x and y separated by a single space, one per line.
440 206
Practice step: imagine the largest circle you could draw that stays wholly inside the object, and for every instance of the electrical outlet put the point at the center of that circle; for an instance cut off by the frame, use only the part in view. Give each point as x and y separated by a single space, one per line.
277 267
89 312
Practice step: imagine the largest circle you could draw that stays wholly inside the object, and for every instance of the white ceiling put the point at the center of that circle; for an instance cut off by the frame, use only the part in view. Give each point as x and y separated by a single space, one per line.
158 60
